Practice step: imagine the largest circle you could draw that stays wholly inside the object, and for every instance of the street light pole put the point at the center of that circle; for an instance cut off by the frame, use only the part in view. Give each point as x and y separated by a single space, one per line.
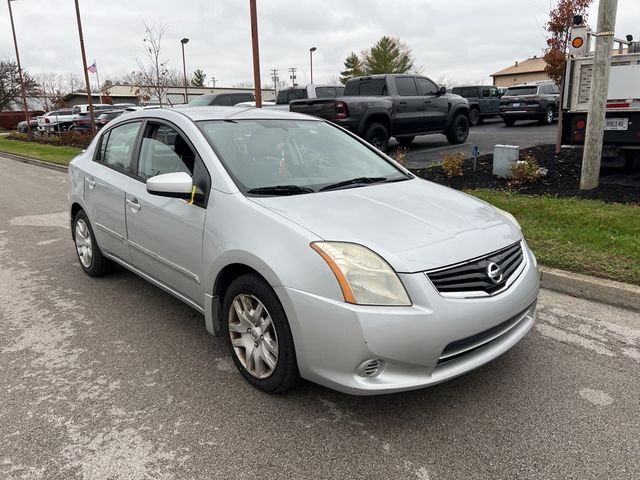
184 41
24 96
311 50
256 53
86 72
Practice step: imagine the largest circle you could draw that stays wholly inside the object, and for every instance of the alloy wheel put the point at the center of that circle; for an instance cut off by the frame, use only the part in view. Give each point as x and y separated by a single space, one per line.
83 243
253 336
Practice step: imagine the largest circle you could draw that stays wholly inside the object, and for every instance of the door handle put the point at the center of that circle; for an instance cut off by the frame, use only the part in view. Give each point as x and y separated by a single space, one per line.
403 103
90 183
135 207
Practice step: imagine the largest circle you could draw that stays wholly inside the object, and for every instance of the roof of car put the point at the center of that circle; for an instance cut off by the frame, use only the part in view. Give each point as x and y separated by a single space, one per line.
234 113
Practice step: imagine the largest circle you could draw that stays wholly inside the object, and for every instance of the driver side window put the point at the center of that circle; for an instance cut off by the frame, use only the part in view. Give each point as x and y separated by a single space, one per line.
164 150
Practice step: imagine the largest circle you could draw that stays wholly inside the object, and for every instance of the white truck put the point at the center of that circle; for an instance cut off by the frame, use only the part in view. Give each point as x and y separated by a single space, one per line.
622 124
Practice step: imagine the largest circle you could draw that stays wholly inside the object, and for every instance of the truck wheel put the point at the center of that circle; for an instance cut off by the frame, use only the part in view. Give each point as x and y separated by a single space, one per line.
377 135
458 131
548 116
509 122
406 141
474 117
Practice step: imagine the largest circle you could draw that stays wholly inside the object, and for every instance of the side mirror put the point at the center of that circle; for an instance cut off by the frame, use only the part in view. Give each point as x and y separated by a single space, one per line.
174 185
442 91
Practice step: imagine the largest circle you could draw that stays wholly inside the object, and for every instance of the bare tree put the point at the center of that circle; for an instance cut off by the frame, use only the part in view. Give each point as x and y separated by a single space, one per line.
152 72
72 82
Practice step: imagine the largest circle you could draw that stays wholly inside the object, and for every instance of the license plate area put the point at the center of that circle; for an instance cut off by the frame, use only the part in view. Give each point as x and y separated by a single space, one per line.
616 124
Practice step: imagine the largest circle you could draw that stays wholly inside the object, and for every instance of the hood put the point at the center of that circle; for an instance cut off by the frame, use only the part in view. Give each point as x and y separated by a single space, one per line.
415 225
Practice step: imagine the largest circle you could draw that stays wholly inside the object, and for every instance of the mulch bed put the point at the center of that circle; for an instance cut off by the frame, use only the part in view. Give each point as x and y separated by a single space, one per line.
562 179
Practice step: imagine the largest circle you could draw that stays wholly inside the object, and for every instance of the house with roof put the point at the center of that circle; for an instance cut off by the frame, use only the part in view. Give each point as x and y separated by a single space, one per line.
529 70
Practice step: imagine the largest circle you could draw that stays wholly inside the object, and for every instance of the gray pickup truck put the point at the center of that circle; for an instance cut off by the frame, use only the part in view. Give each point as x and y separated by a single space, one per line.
378 107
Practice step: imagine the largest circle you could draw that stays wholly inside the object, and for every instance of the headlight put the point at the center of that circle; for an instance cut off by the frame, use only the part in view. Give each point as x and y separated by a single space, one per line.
365 278
509 216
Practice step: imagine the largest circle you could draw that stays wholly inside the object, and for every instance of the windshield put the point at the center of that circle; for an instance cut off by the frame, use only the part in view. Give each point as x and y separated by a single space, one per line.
202 101
298 154
515 91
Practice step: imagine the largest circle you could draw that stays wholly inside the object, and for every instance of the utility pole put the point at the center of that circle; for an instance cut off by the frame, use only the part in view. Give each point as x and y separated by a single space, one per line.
592 155
24 96
292 71
86 72
274 78
256 53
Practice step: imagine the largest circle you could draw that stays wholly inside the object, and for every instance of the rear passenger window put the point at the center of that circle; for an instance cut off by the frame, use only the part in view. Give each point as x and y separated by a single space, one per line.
325 92
117 145
485 92
224 100
406 87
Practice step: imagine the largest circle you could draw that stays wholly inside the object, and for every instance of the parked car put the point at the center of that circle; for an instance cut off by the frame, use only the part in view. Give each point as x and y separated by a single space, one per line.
223 99
484 101
52 121
106 116
303 92
378 107
22 126
345 268
530 101
84 108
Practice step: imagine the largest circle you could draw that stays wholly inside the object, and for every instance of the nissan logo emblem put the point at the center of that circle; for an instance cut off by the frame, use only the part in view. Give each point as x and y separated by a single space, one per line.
494 272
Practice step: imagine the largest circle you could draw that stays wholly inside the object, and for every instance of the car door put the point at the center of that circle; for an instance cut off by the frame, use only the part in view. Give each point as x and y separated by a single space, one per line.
105 183
436 106
409 107
494 104
165 234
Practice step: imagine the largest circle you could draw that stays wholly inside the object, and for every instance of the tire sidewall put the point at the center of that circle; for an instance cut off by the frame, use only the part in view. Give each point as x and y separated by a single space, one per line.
458 121
256 286
378 128
91 269
474 117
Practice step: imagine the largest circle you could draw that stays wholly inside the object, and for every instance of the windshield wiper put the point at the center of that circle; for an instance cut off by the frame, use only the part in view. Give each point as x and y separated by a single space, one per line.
280 190
354 181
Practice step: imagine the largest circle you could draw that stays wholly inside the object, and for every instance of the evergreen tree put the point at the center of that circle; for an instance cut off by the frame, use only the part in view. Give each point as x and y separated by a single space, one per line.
388 55
198 78
353 67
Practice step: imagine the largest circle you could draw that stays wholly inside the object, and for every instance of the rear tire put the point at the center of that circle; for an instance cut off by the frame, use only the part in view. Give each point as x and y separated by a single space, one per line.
258 335
549 113
89 254
509 122
377 135
406 141
458 131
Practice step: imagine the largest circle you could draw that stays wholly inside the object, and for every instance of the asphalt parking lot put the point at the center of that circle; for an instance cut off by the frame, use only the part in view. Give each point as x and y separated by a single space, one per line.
114 379
427 149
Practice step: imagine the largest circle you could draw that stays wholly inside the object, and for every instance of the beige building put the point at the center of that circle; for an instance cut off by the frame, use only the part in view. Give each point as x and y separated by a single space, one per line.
529 70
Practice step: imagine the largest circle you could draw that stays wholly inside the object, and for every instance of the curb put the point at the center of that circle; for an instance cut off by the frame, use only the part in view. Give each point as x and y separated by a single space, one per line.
583 286
33 161
591 288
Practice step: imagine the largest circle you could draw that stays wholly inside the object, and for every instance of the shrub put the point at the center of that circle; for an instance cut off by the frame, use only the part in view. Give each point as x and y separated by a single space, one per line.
67 139
526 170
452 164
400 155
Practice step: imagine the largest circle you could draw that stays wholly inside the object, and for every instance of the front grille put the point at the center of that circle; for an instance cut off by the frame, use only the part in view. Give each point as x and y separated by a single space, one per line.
474 342
473 275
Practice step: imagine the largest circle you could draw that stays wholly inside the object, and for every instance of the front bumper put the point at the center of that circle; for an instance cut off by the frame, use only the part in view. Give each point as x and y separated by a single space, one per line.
333 339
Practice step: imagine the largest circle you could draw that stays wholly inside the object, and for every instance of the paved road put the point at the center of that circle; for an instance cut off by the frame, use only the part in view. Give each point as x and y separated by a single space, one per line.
112 379
427 149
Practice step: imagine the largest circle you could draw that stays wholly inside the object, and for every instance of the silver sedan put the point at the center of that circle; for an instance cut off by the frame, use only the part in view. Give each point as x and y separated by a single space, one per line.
312 253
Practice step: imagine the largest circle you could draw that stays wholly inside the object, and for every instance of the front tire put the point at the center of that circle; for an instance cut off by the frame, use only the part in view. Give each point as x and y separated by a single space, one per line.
474 117
509 122
377 135
89 254
258 335
458 131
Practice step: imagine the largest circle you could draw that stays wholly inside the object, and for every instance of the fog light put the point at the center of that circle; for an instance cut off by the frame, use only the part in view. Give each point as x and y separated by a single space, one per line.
371 368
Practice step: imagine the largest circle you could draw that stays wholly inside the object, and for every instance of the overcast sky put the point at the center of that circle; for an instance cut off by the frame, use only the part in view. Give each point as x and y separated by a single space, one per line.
461 40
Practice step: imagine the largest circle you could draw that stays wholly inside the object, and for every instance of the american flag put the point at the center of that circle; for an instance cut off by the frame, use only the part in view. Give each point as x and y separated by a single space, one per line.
92 68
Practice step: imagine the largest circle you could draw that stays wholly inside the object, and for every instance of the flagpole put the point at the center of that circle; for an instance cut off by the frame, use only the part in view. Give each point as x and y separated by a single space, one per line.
98 80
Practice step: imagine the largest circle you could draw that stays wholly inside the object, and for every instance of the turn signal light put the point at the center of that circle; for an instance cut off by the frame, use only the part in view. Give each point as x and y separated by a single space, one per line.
577 42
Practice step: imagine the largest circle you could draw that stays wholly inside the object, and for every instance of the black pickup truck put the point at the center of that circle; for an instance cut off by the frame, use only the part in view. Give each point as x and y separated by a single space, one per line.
378 107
